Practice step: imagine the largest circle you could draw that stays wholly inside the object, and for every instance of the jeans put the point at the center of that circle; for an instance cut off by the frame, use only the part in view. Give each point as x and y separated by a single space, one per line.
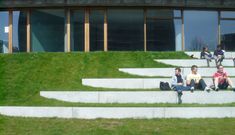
201 85
181 88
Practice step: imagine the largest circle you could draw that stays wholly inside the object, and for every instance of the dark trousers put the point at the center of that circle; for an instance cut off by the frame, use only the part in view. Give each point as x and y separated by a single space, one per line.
201 85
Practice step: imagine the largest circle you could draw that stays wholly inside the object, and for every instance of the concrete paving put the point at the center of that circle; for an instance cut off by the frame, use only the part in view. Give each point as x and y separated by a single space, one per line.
131 83
168 72
190 62
119 112
199 97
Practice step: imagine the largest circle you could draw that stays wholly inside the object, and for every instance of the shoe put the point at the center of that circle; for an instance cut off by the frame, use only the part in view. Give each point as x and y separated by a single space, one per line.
216 89
207 89
180 93
192 89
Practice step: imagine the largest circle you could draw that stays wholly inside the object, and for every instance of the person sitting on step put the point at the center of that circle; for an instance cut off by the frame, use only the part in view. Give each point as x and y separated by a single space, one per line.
205 54
177 84
195 81
221 79
219 55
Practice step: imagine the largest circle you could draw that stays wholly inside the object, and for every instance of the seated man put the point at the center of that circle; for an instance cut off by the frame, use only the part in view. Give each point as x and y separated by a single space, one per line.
178 83
195 81
219 55
221 79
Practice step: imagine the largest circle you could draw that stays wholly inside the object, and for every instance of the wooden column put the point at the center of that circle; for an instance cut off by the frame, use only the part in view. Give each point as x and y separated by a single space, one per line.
10 31
219 28
87 31
183 43
145 30
28 31
105 31
68 30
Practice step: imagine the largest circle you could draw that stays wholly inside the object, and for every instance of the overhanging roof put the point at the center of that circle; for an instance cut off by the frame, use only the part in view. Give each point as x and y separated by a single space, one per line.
230 4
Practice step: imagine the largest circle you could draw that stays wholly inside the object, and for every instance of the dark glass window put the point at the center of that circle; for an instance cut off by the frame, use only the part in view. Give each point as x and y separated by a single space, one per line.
125 30
4 16
228 14
19 31
47 30
228 34
96 30
77 30
201 29
161 30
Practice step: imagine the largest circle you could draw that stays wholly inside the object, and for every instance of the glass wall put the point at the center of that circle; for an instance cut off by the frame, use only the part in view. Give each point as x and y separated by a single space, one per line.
19 31
227 24
125 30
4 16
47 30
77 30
164 30
201 29
96 30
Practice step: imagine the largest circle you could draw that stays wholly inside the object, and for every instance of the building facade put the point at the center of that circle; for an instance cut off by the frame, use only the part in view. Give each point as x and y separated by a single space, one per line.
116 25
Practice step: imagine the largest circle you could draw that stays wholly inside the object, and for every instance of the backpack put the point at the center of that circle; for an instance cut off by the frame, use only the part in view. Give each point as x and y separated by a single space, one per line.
165 86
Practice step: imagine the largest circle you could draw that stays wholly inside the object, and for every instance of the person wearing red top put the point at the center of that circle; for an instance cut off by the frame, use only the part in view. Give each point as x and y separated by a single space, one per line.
221 79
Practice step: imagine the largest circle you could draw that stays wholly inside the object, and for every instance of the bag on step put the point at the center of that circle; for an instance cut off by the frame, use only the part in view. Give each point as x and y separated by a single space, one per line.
165 86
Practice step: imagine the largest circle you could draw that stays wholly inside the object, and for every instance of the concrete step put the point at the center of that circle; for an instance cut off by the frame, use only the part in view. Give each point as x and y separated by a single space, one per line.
199 97
119 112
190 62
131 83
168 72
228 55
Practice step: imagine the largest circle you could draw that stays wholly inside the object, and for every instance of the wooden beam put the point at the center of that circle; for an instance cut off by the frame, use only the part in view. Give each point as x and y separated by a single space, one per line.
28 31
68 30
105 31
145 30
87 31
10 31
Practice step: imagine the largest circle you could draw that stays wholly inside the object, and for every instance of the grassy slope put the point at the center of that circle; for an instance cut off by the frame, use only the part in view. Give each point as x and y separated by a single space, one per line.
43 126
22 76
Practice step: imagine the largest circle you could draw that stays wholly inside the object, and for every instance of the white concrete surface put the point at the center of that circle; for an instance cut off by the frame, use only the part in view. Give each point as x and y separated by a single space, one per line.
131 83
199 97
190 62
119 112
168 72
228 55
114 96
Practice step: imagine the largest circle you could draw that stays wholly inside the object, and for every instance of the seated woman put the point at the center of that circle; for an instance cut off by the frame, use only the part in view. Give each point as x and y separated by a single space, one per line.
205 54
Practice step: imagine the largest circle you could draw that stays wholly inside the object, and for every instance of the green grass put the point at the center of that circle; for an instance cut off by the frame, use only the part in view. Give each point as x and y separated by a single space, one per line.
53 126
23 75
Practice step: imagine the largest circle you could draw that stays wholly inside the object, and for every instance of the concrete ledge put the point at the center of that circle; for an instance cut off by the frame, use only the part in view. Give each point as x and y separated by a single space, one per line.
228 55
119 112
131 83
190 62
168 72
199 97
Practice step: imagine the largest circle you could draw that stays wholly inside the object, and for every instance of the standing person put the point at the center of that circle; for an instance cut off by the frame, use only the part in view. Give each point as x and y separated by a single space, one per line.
205 54
195 81
219 55
177 84
221 79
